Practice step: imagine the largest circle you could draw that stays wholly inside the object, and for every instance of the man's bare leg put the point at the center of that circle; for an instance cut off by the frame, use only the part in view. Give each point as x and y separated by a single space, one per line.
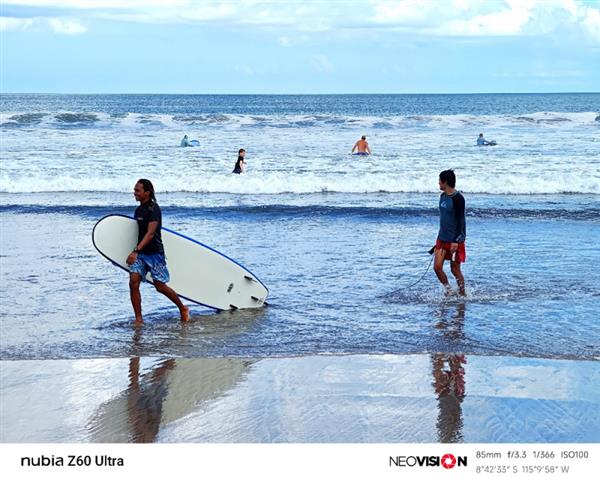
136 298
460 279
438 268
171 295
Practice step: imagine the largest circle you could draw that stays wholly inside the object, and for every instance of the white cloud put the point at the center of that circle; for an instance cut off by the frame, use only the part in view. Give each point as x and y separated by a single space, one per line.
245 69
15 24
404 11
461 4
93 4
591 23
57 25
474 18
167 13
66 27
321 63
511 21
295 40
570 6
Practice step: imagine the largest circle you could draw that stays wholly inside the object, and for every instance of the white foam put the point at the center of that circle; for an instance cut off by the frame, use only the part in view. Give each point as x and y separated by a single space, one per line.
278 183
540 158
128 120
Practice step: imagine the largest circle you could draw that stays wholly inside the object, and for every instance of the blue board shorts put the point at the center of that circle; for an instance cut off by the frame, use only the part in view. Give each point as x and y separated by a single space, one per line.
154 263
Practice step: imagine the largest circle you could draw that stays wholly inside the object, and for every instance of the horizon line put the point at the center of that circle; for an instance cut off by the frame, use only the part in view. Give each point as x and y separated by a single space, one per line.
295 94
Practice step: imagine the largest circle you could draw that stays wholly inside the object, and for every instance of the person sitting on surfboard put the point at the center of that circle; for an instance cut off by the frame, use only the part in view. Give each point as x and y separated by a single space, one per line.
362 147
482 142
240 165
450 243
149 254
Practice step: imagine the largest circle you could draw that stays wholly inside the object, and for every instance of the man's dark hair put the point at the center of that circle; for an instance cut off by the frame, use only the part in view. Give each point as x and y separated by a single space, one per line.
148 187
448 177
241 150
364 137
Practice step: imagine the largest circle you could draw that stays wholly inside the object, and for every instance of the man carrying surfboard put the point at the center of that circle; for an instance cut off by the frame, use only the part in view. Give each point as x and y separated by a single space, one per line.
450 243
149 254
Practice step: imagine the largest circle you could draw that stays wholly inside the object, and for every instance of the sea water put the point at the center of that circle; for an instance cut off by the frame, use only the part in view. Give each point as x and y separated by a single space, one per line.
336 238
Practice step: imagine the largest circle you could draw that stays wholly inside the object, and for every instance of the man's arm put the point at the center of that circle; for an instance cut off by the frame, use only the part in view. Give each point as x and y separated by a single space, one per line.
368 149
459 210
355 146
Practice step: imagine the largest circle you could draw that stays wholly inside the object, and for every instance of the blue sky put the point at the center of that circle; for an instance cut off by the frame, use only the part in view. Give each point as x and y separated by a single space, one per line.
379 46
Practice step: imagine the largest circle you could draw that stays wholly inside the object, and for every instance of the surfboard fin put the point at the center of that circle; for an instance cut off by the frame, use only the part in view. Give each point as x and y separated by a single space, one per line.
259 300
248 277
233 307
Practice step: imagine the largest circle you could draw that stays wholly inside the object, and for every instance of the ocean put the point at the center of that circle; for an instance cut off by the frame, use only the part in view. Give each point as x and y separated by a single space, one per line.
339 240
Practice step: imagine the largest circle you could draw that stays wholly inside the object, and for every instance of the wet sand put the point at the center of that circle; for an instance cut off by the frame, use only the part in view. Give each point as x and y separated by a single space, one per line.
353 398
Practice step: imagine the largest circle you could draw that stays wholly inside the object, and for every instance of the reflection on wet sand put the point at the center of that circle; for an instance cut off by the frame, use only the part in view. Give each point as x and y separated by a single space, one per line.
144 409
449 377
449 385
171 389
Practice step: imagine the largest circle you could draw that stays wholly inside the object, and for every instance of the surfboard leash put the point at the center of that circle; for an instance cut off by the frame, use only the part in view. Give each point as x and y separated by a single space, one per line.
431 251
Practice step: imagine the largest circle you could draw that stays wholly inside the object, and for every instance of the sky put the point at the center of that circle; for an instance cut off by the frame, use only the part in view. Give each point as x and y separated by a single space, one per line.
289 47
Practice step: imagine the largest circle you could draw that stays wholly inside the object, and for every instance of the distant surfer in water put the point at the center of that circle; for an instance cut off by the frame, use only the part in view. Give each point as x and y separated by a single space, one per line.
450 243
240 165
185 142
361 147
483 142
149 254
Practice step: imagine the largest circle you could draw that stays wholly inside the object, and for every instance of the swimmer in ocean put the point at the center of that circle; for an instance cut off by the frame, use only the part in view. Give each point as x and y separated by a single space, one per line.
240 165
362 147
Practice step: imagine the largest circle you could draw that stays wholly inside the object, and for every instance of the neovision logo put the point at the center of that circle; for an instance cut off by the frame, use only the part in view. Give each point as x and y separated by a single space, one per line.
447 461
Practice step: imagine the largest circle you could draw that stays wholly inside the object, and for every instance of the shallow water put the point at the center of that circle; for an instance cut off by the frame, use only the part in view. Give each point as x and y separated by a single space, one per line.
335 275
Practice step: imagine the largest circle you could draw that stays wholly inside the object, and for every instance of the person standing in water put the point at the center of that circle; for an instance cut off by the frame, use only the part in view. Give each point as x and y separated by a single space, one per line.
240 165
450 243
149 254
185 142
362 147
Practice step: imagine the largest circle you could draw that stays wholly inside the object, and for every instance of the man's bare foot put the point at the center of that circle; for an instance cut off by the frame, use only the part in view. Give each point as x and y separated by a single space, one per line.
185 314
138 321
448 292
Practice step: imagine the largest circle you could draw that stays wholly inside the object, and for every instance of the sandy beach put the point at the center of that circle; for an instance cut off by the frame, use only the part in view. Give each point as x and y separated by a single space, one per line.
318 399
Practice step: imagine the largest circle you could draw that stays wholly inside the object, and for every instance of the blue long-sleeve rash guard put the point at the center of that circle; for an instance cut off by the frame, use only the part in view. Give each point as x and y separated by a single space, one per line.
453 227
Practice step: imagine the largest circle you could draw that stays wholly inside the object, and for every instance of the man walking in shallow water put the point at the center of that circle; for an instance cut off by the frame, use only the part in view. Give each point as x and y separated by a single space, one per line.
450 243
149 254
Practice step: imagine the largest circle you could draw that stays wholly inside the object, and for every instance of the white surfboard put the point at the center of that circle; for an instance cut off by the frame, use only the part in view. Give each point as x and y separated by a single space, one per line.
198 273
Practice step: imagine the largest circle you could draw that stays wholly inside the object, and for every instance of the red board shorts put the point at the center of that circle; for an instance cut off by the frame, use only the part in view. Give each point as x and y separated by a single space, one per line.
461 253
